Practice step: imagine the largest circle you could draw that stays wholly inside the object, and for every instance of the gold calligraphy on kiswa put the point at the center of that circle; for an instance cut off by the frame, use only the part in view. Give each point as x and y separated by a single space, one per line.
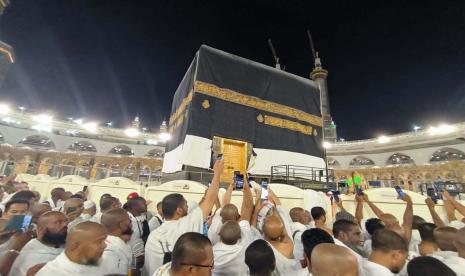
254 102
283 123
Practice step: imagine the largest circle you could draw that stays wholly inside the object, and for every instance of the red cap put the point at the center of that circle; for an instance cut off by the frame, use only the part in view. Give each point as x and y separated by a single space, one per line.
133 195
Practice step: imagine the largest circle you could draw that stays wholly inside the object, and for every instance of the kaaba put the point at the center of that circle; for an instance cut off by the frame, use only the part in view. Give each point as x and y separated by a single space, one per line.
257 116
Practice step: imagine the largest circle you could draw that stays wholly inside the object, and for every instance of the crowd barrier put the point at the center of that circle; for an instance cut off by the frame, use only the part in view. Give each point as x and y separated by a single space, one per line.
290 196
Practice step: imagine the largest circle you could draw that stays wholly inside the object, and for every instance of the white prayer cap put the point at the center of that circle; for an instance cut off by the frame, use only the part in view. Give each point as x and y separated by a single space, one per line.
88 204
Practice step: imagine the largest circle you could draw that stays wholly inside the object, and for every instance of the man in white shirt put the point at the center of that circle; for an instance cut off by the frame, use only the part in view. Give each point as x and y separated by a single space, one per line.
84 248
57 195
157 219
260 259
346 234
332 260
390 252
310 239
73 209
298 215
117 256
457 263
89 210
234 238
445 237
137 211
192 255
106 204
51 237
177 222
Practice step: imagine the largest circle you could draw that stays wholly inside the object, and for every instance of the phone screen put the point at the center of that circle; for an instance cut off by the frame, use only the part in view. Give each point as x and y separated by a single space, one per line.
209 184
432 194
264 185
239 181
399 191
219 157
335 194
19 223
359 190
84 189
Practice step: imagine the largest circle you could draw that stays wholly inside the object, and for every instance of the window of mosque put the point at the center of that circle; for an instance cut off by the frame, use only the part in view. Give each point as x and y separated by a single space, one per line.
361 161
122 150
400 159
447 154
156 153
82 146
39 141
333 163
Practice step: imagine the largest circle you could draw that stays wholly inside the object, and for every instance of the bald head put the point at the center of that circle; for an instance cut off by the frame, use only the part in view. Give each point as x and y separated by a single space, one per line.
86 242
229 212
273 227
445 237
390 221
52 228
326 255
230 232
38 210
296 214
191 248
112 219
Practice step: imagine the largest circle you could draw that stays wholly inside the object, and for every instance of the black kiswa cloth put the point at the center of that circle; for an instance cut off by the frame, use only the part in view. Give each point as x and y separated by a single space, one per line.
211 112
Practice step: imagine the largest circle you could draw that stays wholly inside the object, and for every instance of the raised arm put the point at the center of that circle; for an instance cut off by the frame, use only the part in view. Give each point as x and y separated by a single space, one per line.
408 217
373 207
359 209
247 202
257 207
228 194
273 197
436 218
212 193
457 205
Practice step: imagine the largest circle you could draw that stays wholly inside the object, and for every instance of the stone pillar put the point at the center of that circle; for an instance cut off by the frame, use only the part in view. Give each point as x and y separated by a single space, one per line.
21 168
43 168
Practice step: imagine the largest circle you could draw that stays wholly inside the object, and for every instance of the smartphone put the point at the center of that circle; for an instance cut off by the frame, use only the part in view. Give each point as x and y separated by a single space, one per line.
239 181
219 156
399 191
264 185
336 195
71 209
209 184
84 189
359 190
430 192
19 223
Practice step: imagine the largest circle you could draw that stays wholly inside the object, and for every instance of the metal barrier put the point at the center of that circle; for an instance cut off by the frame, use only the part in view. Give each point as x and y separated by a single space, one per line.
303 177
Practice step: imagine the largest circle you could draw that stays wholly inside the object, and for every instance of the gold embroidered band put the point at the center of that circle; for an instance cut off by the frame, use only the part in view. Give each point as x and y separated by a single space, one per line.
283 123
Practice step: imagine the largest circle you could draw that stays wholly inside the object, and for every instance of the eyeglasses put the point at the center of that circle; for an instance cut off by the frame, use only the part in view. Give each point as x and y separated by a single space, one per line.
199 265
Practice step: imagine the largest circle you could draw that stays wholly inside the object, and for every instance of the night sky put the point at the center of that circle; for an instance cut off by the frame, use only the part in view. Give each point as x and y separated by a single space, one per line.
392 64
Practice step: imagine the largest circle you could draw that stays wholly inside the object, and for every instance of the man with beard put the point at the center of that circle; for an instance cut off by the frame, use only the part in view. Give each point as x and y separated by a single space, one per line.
52 228
117 256
84 248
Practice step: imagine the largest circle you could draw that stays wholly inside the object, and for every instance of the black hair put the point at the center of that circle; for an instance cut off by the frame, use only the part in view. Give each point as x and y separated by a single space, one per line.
427 231
15 201
342 225
386 240
313 237
77 196
260 259
417 220
25 195
373 224
317 212
107 202
170 203
189 248
428 266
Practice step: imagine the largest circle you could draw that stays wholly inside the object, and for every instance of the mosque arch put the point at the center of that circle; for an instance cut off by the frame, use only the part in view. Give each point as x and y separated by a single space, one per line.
400 159
333 163
361 161
122 150
82 146
38 141
155 153
447 154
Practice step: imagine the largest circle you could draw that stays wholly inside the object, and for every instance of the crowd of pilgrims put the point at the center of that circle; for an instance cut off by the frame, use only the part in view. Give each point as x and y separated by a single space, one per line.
69 237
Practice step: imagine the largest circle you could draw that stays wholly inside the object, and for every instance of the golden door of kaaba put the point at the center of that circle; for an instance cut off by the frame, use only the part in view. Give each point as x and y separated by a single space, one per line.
235 158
